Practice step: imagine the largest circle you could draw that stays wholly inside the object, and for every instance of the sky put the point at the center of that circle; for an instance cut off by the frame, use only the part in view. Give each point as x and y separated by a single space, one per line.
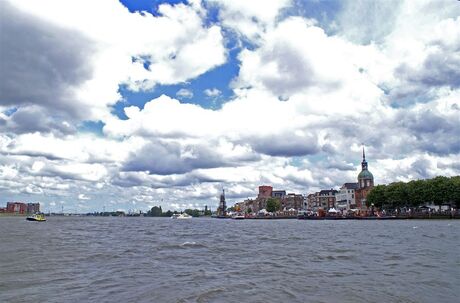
123 105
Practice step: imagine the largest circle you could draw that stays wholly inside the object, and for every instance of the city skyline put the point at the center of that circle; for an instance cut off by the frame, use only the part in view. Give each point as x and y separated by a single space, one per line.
130 104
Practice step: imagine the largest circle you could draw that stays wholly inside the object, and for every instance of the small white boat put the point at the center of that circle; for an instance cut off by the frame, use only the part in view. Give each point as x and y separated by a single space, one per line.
181 216
238 216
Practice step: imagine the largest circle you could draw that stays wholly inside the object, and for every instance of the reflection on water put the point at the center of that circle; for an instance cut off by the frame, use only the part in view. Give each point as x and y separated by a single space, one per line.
87 259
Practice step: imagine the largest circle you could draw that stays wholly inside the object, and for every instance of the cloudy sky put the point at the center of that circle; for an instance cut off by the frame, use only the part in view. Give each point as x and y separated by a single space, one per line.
129 104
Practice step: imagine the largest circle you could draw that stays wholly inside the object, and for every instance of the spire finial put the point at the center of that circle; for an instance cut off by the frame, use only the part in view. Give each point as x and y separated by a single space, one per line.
364 155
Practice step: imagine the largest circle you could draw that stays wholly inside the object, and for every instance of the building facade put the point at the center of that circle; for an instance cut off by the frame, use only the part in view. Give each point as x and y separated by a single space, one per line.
22 208
324 199
292 201
345 197
33 208
16 207
287 201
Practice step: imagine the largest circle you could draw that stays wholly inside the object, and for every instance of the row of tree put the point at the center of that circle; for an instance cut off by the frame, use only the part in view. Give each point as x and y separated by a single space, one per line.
156 211
438 191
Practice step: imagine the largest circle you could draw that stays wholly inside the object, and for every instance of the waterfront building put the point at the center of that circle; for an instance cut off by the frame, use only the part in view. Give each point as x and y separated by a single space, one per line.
33 208
345 197
310 201
292 200
323 199
365 184
265 192
287 201
16 207
279 194
251 204
326 198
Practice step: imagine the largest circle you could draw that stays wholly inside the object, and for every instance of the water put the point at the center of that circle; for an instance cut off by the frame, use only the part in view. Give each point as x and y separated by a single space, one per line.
88 259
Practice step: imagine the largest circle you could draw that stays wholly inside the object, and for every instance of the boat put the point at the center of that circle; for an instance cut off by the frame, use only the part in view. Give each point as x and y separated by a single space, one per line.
181 216
37 218
238 216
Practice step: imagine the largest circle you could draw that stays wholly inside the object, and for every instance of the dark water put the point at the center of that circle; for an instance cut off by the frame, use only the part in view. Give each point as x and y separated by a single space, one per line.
210 260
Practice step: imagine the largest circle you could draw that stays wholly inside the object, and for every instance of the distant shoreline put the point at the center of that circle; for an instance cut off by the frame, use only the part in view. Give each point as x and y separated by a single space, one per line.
314 218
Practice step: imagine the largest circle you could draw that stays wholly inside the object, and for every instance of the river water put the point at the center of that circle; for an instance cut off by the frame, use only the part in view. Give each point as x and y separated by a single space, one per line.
122 259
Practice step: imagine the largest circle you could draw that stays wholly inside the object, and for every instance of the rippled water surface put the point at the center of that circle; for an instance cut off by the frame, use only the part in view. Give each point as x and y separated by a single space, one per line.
90 259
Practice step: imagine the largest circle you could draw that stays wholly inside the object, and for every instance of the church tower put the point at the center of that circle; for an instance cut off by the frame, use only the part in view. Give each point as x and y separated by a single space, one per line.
222 210
365 177
365 184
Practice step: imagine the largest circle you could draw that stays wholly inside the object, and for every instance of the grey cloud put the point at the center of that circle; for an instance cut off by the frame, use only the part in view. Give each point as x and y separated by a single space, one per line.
441 68
432 132
343 166
35 118
285 145
40 63
36 154
129 179
418 85
455 166
165 158
420 168
295 72
365 21
10 151
423 122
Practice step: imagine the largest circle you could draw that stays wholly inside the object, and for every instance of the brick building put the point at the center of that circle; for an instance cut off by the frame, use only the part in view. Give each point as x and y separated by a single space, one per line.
22 208
16 207
324 199
292 200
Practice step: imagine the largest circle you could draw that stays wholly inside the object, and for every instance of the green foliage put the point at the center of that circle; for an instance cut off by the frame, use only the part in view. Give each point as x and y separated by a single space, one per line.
155 212
273 204
376 196
396 194
456 190
418 192
192 212
439 190
249 210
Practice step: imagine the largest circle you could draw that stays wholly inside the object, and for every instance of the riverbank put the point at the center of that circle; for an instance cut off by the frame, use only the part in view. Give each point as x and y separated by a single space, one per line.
12 215
415 216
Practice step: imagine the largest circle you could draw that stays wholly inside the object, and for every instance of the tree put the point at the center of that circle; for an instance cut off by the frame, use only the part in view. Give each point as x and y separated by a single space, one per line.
192 212
377 197
456 190
273 204
396 194
249 210
418 192
155 212
439 190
